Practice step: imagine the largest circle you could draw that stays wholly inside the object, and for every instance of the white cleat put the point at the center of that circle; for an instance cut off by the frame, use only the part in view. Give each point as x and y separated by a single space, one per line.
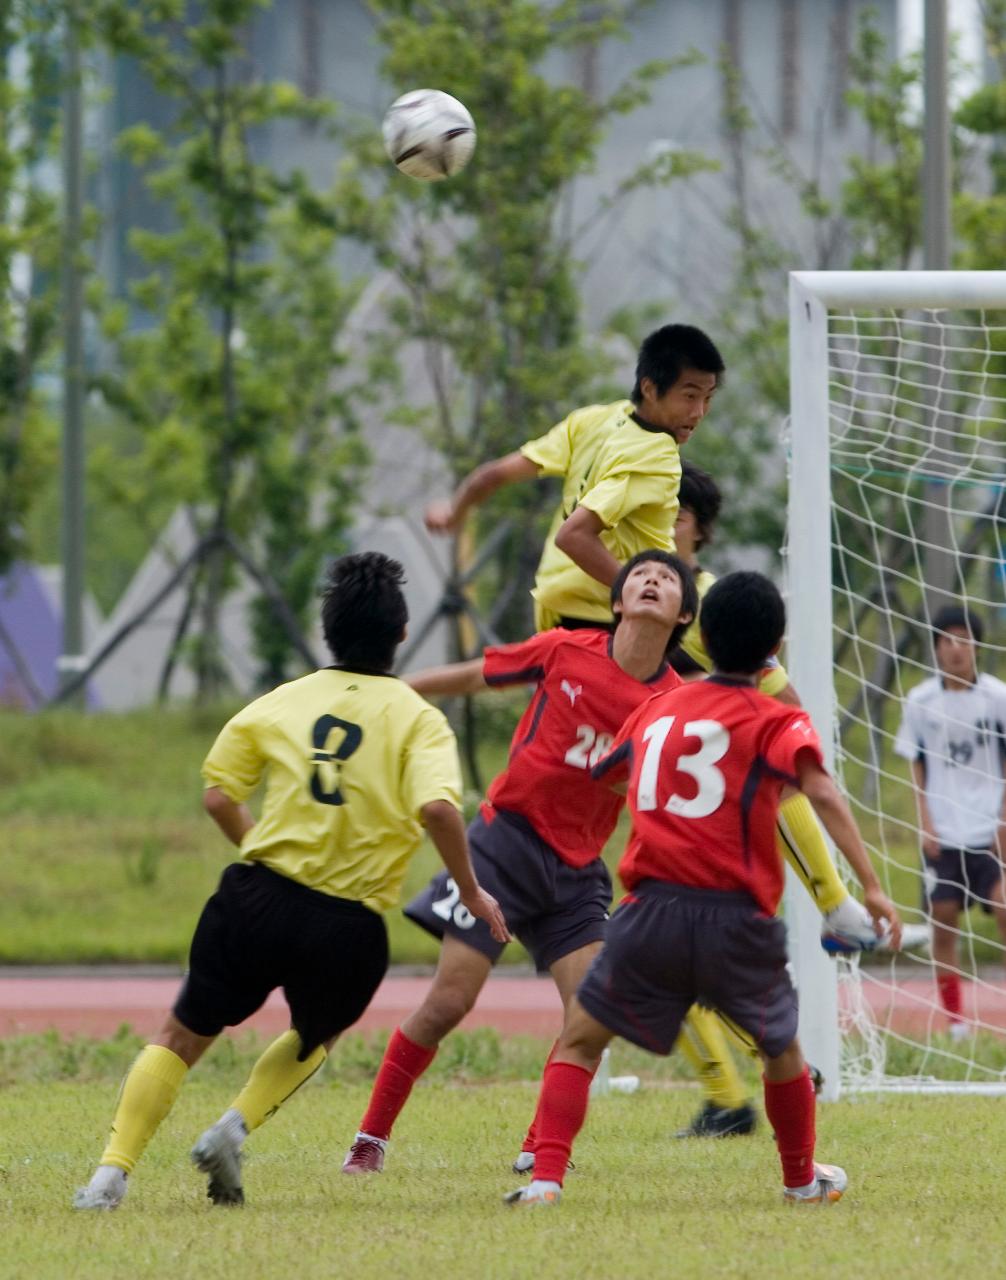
218 1155
828 1187
534 1195
105 1191
848 929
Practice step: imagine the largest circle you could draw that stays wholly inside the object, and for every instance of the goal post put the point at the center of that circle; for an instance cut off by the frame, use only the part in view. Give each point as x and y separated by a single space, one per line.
898 400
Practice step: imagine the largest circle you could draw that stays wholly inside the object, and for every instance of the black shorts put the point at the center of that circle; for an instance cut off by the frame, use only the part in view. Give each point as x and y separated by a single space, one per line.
552 908
964 876
261 931
669 946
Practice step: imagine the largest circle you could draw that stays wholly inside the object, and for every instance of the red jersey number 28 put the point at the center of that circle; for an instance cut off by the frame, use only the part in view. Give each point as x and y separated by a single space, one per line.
714 741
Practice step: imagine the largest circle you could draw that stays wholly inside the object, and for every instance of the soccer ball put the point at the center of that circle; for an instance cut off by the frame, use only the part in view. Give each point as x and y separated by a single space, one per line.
428 134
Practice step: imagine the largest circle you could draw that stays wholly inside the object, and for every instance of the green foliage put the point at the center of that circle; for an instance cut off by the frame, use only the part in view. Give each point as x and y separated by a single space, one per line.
29 257
224 374
485 263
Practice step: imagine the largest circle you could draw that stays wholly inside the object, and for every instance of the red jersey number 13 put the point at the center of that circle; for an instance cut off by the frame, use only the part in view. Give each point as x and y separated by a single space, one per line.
714 742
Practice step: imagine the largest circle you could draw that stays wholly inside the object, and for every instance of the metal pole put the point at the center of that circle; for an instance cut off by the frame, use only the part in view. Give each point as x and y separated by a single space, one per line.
72 532
936 141
940 557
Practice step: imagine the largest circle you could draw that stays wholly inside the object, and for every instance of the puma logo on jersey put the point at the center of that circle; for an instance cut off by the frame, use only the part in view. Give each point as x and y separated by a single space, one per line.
572 691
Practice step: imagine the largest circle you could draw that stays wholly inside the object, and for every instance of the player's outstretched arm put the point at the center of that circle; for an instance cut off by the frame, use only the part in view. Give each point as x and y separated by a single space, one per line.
234 820
452 680
447 516
447 831
836 816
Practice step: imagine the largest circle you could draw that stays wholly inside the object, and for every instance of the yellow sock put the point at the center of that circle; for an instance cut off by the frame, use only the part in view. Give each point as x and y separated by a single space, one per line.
147 1095
800 840
704 1045
274 1077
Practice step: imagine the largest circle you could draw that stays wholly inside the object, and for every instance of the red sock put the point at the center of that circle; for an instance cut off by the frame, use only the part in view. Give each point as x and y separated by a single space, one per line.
562 1109
403 1063
949 987
529 1137
790 1110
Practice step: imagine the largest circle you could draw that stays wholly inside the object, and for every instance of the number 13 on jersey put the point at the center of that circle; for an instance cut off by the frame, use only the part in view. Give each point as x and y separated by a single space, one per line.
713 744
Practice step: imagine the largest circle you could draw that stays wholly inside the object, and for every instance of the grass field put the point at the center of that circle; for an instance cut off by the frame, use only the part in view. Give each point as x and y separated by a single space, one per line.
925 1182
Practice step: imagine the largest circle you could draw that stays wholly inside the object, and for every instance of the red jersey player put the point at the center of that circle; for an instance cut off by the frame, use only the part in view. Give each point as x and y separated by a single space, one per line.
538 838
706 766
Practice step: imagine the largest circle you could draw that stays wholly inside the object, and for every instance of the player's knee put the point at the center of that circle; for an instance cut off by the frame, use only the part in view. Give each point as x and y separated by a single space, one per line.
444 1008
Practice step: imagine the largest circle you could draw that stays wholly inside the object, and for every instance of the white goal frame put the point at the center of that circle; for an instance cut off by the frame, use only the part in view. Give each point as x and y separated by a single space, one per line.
809 645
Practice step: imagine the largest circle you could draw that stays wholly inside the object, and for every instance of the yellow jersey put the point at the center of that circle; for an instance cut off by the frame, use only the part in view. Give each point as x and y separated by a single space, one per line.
774 678
350 758
628 475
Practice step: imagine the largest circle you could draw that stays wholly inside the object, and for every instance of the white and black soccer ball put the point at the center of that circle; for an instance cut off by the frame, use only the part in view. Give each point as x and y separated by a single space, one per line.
428 134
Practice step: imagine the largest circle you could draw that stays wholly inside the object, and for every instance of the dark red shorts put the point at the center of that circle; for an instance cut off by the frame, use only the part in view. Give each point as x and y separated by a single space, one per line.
551 907
669 946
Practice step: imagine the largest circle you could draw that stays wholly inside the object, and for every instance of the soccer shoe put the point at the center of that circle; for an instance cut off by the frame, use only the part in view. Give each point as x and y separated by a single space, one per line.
848 928
721 1122
816 1077
538 1193
366 1155
102 1193
525 1163
829 1183
218 1155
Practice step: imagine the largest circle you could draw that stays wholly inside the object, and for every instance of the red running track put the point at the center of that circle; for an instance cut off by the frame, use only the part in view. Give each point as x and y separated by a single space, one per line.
98 1005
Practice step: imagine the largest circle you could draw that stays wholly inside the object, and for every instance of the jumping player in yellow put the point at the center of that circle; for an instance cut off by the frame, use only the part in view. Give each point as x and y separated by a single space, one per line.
355 763
621 473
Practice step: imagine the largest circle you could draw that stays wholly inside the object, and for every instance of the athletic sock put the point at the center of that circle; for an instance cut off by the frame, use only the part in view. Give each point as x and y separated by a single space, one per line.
147 1095
275 1076
790 1108
705 1046
799 840
562 1109
529 1137
403 1063
949 987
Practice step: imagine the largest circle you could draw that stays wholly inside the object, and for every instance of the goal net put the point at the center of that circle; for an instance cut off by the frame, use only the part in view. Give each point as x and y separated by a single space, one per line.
897 471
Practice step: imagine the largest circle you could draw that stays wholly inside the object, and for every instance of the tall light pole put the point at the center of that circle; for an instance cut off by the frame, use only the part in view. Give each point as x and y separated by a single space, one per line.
72 530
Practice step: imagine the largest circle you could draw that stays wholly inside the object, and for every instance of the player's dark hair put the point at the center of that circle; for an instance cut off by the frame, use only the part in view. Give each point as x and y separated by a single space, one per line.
955 615
689 591
363 610
667 352
701 495
743 619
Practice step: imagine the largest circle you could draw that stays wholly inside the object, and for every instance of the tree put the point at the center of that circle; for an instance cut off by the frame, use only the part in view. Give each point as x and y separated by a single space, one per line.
227 348
486 263
29 256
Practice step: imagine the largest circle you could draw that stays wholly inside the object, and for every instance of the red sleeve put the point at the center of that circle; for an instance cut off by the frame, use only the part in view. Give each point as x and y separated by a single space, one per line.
787 737
520 663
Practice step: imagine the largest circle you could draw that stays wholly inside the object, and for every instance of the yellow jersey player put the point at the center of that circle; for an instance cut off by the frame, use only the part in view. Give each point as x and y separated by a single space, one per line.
355 763
620 470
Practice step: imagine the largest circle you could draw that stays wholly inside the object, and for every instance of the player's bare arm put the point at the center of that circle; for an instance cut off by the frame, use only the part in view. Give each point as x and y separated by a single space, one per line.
447 831
452 680
930 841
234 820
579 536
447 515
836 816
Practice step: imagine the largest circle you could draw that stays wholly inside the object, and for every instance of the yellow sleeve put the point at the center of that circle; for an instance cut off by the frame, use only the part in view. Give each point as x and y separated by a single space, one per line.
553 450
431 770
612 497
236 761
774 680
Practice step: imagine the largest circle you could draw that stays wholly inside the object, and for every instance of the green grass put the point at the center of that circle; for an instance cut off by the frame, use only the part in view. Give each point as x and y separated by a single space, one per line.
924 1181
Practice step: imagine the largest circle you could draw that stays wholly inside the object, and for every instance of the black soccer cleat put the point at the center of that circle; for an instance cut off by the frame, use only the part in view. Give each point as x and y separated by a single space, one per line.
721 1122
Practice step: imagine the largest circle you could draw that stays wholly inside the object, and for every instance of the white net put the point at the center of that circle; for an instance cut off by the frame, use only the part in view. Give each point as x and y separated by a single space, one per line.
918 469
